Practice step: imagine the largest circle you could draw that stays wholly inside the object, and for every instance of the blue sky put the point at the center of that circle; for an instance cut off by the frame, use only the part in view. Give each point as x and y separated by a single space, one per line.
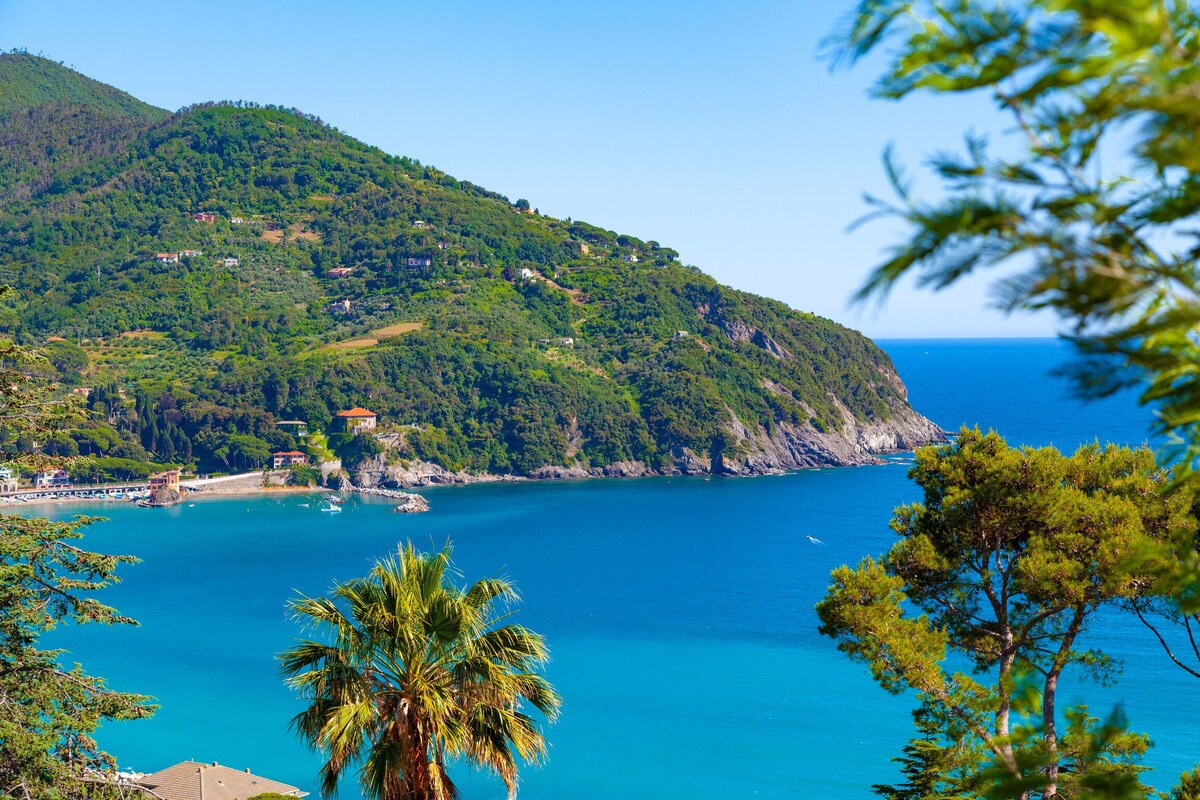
711 127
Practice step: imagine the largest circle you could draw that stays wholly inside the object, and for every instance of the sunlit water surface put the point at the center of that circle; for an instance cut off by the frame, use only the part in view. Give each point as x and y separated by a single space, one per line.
679 610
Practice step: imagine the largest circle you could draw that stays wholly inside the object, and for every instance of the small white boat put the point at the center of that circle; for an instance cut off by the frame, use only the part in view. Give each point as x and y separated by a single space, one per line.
333 508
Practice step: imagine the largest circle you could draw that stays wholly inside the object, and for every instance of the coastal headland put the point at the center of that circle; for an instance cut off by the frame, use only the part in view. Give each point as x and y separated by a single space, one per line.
216 285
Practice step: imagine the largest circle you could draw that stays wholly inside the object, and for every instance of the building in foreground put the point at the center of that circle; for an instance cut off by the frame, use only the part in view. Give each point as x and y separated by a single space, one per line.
191 780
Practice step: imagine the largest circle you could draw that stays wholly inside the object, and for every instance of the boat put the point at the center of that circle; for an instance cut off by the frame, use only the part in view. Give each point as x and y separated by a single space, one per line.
331 507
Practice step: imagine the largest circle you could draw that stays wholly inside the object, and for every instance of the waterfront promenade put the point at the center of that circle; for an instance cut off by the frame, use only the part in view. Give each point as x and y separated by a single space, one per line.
129 490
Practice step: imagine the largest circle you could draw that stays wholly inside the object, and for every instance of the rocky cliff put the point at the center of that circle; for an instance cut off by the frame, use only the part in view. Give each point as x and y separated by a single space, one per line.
749 452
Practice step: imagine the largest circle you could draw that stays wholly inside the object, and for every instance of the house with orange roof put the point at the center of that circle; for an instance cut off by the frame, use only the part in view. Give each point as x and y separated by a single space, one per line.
286 458
355 419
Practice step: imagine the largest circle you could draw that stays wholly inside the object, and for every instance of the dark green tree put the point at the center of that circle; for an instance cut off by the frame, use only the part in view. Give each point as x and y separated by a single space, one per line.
1107 243
1010 554
1188 787
48 711
940 764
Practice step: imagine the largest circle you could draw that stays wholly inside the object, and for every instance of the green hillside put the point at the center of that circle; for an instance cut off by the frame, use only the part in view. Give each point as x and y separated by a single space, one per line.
332 274
52 118
28 81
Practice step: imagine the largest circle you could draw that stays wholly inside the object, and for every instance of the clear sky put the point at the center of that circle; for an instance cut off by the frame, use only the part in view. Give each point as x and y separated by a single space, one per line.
711 127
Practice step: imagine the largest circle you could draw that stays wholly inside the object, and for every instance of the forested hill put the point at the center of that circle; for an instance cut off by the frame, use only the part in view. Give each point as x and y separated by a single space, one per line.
52 118
218 269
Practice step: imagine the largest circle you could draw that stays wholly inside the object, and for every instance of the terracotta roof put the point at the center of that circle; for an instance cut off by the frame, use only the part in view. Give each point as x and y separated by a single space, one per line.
288 453
356 412
191 780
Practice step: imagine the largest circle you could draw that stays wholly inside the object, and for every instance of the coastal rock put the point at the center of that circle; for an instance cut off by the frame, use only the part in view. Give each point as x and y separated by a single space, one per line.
409 503
412 504
560 473
377 472
747 450
161 497
791 446
622 469
688 462
743 449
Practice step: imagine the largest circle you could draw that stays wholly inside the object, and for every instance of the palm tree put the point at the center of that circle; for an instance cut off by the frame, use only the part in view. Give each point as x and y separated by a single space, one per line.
411 671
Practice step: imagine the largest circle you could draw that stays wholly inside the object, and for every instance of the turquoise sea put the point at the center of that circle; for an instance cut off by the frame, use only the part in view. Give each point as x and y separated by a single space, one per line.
679 610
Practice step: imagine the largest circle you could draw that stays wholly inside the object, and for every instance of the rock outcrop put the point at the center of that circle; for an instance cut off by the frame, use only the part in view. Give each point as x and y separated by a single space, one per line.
161 497
789 446
745 451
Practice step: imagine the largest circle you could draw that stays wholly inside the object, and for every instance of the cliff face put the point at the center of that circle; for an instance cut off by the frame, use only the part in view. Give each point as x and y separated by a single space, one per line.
748 452
755 452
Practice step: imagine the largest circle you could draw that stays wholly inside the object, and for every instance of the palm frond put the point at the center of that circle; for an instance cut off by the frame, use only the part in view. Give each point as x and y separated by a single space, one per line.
413 669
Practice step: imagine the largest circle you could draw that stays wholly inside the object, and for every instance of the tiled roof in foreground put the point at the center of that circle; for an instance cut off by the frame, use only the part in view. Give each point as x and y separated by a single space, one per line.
191 780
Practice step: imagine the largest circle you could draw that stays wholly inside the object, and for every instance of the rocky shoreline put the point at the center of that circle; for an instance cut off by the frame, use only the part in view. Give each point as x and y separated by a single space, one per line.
752 452
409 503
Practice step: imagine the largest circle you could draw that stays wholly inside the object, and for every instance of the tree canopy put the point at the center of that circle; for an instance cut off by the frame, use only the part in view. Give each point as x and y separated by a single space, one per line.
1090 204
982 604
48 710
412 672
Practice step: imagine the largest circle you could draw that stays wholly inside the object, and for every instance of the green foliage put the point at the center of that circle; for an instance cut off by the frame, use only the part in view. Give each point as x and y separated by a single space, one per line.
194 356
1188 787
1107 243
56 119
941 764
48 711
104 470
304 475
1010 554
412 672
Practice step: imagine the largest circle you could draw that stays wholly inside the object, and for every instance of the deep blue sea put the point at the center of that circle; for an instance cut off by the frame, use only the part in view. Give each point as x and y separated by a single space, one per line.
679 610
